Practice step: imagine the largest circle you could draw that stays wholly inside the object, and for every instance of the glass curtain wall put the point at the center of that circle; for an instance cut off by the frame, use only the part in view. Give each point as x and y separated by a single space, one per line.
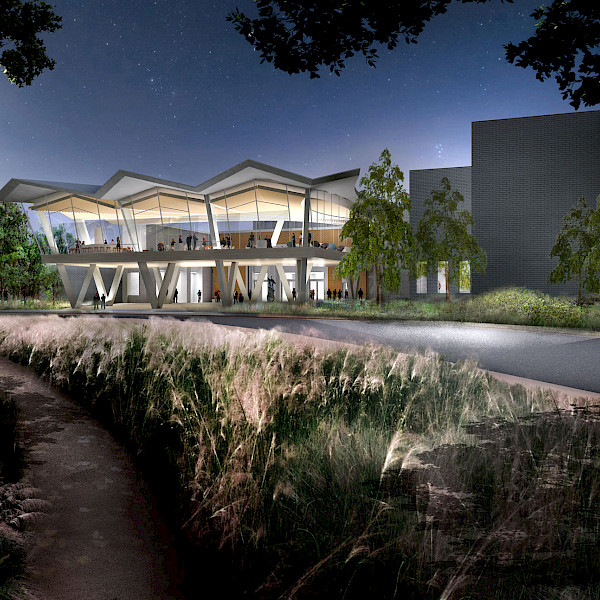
328 214
269 213
70 218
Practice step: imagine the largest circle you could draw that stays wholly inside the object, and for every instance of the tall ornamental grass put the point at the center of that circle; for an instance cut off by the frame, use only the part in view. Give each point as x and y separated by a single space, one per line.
295 472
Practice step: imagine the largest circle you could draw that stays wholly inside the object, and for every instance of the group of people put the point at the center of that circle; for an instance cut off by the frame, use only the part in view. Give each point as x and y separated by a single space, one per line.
338 294
99 301
251 240
112 247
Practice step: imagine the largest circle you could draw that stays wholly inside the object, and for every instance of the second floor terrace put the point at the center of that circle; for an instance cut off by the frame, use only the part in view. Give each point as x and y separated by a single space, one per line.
251 206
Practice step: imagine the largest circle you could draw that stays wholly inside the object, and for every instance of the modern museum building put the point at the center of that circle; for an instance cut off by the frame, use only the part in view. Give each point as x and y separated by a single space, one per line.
139 238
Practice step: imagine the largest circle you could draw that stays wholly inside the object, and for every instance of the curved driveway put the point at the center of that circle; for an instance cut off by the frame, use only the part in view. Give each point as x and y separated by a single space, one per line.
565 359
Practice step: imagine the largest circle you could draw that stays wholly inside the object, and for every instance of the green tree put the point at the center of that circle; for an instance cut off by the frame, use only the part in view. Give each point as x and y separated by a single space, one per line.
13 241
381 238
20 24
443 237
50 282
305 35
63 239
28 281
577 247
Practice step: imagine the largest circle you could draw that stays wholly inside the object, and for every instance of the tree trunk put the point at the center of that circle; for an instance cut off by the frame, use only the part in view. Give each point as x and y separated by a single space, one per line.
378 282
447 284
579 295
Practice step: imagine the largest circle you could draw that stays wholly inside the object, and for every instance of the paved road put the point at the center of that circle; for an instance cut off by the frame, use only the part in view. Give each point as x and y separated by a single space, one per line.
565 359
561 358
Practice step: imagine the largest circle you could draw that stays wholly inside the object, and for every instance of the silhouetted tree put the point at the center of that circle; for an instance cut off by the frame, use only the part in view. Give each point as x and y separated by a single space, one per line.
305 35
20 25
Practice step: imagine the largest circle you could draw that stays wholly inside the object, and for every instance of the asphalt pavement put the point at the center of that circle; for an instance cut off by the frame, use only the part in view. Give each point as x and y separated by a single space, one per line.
561 357
566 359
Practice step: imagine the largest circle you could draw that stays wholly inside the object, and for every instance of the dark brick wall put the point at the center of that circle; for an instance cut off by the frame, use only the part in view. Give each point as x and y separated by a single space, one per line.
526 175
422 183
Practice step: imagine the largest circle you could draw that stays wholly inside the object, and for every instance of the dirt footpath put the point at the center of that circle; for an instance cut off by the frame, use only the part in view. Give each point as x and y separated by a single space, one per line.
102 538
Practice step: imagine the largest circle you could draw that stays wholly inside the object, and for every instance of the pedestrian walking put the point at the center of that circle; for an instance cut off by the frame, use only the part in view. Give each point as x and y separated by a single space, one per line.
96 301
294 294
360 294
328 294
175 294
199 296
103 301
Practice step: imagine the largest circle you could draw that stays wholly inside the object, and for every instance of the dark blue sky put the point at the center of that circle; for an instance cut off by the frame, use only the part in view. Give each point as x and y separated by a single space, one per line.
168 88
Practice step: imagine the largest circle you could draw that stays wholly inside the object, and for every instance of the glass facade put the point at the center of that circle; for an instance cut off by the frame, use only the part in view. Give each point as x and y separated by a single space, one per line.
256 213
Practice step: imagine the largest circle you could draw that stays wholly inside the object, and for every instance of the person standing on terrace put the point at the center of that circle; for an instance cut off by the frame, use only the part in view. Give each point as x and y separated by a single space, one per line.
195 241
118 243
252 239
188 239
293 240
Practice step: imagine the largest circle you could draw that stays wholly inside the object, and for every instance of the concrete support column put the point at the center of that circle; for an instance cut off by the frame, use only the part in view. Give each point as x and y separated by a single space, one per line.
306 221
114 286
71 294
149 284
212 224
222 283
284 283
48 232
301 271
257 289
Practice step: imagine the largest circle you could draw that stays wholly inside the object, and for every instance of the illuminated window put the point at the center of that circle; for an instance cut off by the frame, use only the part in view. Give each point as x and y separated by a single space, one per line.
442 266
464 278
421 278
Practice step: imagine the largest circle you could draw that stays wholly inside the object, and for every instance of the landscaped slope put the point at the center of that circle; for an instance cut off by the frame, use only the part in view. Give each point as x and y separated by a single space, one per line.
356 473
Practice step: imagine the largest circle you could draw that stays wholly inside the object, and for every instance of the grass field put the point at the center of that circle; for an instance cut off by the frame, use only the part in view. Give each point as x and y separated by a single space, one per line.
302 473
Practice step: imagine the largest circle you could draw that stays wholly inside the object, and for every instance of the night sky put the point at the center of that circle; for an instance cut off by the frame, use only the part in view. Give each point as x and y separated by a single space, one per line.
168 88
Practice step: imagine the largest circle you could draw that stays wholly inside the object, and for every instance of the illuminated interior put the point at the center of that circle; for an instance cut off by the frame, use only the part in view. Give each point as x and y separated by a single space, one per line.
162 216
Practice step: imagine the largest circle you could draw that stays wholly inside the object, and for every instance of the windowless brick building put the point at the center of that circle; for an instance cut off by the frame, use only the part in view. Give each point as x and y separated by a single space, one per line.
526 174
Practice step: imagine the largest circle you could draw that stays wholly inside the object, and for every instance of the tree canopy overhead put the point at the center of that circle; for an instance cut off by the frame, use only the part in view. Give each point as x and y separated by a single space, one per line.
306 35
23 54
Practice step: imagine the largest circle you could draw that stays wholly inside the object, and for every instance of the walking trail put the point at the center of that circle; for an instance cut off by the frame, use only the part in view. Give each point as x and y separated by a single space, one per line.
102 538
